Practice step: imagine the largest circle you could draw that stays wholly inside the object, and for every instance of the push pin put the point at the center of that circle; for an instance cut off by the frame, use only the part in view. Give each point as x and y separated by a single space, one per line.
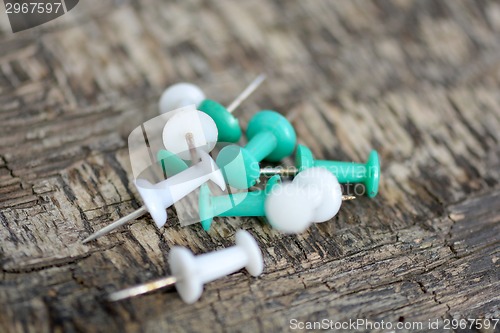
185 130
346 172
158 197
271 137
190 273
182 94
236 204
314 196
188 128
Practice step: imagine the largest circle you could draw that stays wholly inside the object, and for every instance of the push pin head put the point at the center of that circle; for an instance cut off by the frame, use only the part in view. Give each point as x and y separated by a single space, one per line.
227 124
190 273
346 172
191 124
271 137
180 95
314 196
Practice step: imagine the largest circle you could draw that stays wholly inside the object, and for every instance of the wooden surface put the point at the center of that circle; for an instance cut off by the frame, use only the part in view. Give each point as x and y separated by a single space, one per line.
417 80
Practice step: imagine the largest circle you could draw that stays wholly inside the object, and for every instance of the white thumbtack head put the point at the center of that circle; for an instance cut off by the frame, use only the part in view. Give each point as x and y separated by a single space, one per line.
180 95
190 273
200 128
313 196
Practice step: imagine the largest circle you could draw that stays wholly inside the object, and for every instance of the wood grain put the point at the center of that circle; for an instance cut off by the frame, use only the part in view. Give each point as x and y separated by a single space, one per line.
417 80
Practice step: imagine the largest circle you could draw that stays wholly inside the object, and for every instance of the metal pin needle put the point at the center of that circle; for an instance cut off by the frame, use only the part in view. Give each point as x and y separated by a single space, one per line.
192 149
142 289
142 210
247 92
118 223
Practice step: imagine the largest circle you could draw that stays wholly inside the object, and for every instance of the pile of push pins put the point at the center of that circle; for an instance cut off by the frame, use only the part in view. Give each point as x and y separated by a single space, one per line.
194 127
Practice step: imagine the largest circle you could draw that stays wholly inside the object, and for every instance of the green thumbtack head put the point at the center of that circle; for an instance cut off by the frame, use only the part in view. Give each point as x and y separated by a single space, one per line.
170 162
269 123
237 204
271 137
227 125
304 158
373 177
346 172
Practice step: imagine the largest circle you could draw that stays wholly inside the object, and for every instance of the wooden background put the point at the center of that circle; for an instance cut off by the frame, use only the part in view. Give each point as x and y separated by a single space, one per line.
417 80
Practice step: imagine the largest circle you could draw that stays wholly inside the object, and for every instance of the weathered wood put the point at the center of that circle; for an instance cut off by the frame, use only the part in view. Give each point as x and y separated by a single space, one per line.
417 80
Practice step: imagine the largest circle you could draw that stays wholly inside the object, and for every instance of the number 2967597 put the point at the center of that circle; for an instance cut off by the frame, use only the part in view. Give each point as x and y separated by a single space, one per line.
33 7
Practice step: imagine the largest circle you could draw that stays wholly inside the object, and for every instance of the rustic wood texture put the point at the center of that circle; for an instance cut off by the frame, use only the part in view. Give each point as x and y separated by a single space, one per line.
417 80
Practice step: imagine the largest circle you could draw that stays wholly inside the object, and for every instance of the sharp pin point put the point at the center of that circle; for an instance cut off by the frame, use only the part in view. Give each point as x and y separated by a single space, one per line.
118 223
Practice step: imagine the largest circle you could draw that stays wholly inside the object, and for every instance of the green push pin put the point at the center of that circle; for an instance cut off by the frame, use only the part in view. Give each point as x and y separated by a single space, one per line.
271 137
237 204
346 172
314 196
228 126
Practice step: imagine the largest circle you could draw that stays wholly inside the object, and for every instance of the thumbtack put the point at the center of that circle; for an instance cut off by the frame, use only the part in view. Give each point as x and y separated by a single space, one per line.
158 197
190 273
346 172
271 137
254 203
236 204
187 128
185 131
182 94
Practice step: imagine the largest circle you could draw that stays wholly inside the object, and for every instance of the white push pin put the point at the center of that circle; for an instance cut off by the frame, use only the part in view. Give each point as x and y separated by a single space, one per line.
190 273
188 128
158 197
189 135
313 196
183 94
